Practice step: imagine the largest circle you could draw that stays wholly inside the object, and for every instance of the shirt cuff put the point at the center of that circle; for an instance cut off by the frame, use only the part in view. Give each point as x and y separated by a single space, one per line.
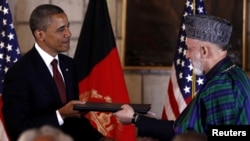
59 118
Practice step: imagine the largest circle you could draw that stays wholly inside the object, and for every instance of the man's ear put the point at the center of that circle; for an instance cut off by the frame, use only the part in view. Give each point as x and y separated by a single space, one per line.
204 51
39 35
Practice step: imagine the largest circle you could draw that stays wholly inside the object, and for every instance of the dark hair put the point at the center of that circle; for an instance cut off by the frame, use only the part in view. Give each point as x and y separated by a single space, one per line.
40 17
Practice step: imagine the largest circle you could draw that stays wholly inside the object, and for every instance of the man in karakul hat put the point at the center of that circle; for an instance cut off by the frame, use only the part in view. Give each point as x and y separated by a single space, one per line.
224 99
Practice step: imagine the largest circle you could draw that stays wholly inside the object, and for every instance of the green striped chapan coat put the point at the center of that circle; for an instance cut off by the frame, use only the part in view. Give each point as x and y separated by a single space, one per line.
223 100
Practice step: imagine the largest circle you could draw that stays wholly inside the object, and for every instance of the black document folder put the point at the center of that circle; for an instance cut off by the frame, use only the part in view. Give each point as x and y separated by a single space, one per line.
110 107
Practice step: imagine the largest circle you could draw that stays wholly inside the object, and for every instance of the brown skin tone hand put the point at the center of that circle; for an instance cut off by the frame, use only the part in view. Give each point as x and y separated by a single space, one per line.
68 111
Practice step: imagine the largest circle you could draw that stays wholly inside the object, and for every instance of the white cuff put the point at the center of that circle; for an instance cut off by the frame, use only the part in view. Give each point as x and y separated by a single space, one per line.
59 117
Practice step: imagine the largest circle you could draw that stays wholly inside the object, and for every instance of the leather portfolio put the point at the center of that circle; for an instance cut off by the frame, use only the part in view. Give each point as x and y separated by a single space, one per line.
110 107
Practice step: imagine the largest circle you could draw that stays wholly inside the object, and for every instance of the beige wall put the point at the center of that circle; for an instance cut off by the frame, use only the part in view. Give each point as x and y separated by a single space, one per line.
144 86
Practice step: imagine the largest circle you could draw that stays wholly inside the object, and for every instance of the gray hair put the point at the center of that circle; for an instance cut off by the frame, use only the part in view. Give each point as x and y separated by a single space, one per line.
52 133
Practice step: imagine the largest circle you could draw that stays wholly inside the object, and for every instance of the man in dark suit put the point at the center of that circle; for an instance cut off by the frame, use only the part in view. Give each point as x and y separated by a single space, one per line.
30 95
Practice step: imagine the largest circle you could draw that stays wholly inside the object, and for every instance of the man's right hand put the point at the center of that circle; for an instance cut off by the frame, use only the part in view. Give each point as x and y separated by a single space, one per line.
68 111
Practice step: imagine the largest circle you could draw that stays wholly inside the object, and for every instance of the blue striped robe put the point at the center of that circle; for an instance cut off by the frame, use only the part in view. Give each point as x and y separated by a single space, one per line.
223 100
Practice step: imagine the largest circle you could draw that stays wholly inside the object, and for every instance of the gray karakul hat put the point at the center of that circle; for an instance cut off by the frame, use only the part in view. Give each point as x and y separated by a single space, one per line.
208 28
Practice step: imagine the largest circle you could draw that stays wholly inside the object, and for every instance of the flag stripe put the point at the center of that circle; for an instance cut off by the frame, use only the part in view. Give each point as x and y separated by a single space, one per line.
3 135
91 39
9 53
180 87
100 72
111 91
173 101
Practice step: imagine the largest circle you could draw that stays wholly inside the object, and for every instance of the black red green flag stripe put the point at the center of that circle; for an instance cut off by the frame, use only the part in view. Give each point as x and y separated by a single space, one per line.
99 70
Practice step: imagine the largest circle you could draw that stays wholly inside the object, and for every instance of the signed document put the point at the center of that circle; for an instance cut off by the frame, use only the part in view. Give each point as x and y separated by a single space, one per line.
110 107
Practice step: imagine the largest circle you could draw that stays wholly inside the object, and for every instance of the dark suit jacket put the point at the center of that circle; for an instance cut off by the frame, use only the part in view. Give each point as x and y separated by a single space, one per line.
162 130
30 98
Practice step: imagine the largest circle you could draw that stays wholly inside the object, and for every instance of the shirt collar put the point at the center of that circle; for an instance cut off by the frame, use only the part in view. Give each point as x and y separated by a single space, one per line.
45 56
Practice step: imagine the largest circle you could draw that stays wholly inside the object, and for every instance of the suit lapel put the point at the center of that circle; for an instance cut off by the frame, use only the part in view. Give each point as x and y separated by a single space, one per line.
45 76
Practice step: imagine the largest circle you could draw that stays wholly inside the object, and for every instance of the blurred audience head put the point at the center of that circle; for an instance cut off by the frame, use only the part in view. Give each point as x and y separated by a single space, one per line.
190 136
45 133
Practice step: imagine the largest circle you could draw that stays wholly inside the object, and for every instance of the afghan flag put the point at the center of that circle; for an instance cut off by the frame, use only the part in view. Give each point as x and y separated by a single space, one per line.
100 73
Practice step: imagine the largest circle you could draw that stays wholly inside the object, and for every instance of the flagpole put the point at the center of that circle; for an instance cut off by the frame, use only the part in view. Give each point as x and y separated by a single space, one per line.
194 76
194 6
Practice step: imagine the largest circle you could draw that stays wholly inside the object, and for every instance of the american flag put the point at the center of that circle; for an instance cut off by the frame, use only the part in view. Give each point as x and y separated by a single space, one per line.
9 51
180 88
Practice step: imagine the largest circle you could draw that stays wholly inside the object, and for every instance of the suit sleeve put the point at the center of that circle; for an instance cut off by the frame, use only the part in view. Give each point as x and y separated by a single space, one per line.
156 128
